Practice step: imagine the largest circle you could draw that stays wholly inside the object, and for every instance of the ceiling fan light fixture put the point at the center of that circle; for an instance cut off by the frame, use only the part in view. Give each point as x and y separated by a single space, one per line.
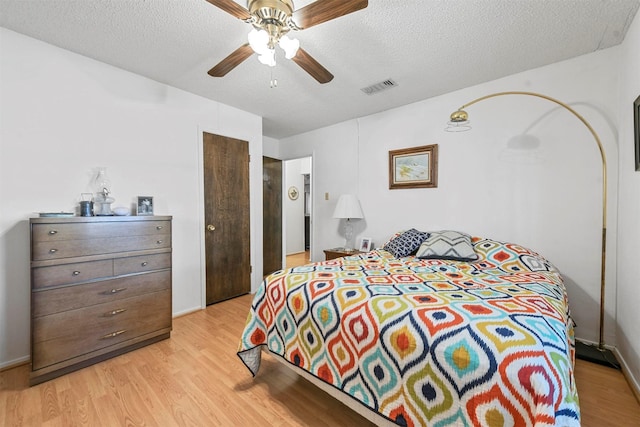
290 46
271 21
259 41
276 12
268 57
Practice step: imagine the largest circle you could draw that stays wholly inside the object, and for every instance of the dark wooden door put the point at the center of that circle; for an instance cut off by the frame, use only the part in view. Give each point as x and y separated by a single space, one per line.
226 212
271 215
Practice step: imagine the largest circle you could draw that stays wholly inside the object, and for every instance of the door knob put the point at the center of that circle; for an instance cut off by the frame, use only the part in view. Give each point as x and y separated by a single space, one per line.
210 227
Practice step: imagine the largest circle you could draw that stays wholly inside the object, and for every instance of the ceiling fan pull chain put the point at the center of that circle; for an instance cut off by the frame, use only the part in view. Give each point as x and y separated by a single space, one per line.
274 82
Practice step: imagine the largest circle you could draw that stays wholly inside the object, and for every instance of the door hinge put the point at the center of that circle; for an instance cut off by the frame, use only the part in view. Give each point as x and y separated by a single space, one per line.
251 269
249 156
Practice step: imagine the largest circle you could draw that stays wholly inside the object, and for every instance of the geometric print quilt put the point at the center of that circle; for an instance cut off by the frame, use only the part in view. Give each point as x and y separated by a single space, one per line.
427 342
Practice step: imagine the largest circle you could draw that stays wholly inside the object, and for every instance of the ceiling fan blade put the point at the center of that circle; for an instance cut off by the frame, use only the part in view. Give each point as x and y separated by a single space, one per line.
325 10
232 8
311 66
232 61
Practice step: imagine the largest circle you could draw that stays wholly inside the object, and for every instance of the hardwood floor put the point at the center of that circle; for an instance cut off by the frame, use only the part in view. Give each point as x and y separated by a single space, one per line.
301 258
193 379
196 379
605 397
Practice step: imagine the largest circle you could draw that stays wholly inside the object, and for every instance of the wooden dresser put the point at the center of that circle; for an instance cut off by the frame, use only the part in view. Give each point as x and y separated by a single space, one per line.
100 286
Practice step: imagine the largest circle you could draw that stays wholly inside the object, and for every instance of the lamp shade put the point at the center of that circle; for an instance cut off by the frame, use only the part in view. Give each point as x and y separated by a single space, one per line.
268 57
290 46
348 207
259 41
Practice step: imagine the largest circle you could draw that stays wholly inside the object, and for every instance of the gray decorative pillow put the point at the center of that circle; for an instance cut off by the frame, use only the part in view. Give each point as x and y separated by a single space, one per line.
406 243
447 244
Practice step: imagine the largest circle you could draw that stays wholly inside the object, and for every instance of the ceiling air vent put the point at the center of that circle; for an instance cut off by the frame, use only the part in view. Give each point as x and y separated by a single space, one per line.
379 87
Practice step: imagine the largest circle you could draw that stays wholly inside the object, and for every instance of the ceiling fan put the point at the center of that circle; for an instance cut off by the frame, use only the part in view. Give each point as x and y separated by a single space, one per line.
271 21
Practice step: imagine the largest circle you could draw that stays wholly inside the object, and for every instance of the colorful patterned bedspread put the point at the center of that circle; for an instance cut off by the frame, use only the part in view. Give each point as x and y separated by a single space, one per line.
428 342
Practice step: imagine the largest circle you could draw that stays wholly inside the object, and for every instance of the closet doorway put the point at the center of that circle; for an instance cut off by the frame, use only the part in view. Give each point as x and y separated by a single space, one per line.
272 220
226 215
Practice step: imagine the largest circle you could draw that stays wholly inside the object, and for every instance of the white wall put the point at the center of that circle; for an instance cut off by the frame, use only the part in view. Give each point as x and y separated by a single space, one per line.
628 298
335 155
270 147
546 197
62 115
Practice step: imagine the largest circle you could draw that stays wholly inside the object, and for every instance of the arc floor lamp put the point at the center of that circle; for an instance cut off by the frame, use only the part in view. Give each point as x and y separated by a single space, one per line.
460 121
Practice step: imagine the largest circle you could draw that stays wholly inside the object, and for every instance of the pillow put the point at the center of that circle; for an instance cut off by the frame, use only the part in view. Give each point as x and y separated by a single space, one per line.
406 243
447 244
396 234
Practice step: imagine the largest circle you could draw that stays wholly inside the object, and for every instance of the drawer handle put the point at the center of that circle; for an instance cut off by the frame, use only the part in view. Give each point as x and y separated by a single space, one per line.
76 273
144 264
53 251
115 312
113 334
159 227
159 242
53 232
115 291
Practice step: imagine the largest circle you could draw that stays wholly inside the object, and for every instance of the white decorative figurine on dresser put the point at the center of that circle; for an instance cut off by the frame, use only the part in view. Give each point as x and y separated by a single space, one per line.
100 287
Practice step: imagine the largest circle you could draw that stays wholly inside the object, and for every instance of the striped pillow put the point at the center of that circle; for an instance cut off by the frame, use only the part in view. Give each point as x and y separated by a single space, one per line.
447 244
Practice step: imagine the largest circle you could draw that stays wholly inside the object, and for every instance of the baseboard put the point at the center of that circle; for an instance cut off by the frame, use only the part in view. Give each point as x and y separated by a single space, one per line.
185 312
633 383
296 253
623 366
5 366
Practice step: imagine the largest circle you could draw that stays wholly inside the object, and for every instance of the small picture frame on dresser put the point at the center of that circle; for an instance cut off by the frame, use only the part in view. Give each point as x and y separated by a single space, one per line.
144 206
365 244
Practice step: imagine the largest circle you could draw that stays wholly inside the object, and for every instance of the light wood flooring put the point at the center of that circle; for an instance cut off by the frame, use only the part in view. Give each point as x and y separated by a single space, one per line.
301 258
195 379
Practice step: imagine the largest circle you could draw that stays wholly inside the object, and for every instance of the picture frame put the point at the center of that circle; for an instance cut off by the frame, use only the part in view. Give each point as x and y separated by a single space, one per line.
144 205
415 167
365 244
636 130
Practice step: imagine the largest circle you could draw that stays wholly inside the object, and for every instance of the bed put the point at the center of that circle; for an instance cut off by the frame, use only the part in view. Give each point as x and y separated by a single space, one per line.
443 330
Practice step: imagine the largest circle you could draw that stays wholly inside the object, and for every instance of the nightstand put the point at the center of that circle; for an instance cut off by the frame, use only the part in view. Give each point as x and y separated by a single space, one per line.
339 252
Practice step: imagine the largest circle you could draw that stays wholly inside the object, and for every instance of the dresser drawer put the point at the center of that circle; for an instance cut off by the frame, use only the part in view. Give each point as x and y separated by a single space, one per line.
138 264
57 232
52 301
81 331
70 273
47 250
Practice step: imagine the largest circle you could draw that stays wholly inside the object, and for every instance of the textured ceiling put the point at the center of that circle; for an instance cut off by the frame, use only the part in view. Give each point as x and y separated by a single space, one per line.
428 47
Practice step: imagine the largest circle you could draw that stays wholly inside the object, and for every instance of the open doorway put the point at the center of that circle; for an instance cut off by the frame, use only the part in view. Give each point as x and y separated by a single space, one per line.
298 211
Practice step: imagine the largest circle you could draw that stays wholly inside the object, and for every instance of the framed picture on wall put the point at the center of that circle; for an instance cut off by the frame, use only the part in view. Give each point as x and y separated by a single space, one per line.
293 192
144 205
415 167
636 130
